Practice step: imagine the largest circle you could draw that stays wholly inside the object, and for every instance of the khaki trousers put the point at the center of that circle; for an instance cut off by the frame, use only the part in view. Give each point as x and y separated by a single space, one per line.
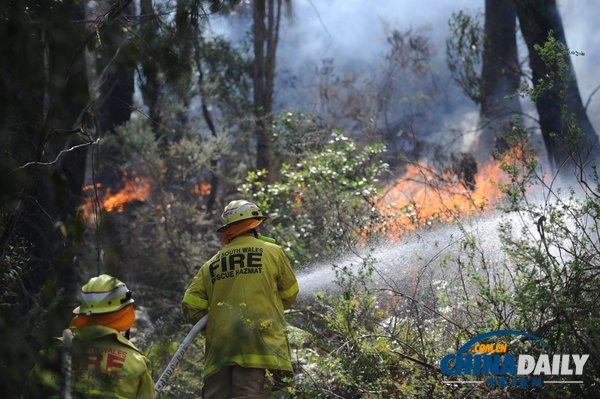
235 382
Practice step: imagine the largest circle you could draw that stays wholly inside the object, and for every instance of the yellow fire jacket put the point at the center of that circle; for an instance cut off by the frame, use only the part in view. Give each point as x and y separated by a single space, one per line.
104 365
245 287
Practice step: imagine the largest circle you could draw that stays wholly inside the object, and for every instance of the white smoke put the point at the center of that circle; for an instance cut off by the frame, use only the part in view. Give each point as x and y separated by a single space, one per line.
353 33
581 29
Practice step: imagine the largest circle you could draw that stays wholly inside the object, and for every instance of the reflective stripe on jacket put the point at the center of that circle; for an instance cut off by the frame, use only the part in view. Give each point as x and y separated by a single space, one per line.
104 365
245 287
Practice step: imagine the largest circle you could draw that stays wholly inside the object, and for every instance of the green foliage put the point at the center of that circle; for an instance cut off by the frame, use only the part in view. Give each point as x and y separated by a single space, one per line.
354 366
546 281
227 77
550 281
186 382
569 137
555 55
296 135
556 259
520 165
13 266
464 49
323 203
363 344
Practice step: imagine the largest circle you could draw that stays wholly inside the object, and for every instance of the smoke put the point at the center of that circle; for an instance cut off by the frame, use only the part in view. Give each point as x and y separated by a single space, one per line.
352 34
579 21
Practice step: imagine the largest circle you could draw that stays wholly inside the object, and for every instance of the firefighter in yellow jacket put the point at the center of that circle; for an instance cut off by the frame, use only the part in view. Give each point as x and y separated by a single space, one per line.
104 364
244 288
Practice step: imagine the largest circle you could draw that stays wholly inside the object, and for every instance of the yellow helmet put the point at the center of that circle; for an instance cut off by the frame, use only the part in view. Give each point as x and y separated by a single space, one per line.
103 294
239 210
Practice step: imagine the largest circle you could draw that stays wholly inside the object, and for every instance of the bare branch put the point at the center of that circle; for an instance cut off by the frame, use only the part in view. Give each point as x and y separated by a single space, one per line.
589 100
415 360
57 157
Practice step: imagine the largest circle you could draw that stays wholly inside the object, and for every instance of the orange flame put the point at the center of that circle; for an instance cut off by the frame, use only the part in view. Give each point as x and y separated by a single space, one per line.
91 187
203 189
423 197
134 189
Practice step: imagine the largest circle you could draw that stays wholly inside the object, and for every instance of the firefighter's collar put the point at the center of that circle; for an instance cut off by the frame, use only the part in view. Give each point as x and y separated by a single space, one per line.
93 332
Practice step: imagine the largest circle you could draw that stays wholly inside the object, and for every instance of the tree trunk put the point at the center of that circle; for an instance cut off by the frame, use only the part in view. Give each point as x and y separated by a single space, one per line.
150 87
115 67
500 77
537 18
208 118
266 18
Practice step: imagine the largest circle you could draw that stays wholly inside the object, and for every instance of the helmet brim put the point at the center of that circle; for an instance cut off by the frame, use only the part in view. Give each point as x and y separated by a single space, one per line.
78 310
222 228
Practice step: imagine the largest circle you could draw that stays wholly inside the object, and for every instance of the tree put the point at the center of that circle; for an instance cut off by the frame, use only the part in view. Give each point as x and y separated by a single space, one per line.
492 48
538 19
266 16
167 49
500 77
43 130
112 64
150 84
494 89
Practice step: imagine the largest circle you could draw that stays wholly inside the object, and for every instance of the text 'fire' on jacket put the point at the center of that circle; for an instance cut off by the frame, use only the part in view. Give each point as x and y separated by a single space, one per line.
246 286
104 364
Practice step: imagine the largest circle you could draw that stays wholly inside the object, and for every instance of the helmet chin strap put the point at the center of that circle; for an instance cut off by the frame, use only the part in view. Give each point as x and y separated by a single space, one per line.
255 233
127 333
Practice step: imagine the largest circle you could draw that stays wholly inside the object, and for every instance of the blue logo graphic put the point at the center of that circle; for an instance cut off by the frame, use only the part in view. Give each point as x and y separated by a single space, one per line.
491 363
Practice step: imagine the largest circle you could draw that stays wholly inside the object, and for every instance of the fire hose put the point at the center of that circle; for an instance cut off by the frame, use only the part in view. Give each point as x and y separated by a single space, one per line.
162 381
66 363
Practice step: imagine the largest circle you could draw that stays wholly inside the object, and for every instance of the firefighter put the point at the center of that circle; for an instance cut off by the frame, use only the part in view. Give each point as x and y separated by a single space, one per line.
104 364
244 288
